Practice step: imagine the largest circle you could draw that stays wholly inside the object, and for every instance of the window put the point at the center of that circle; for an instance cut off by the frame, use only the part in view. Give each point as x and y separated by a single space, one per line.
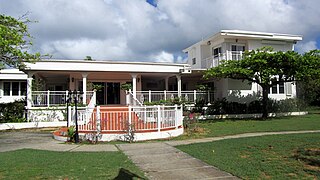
6 88
236 51
274 89
15 88
289 88
237 48
281 88
278 88
216 51
194 61
23 88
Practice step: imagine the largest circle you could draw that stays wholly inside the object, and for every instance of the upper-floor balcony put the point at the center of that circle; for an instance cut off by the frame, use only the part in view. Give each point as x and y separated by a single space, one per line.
215 60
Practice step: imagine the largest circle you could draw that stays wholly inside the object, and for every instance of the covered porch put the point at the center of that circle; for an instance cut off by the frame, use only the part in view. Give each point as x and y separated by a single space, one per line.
52 88
49 82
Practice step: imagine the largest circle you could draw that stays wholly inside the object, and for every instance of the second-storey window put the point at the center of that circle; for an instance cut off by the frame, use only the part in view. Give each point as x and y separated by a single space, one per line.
194 61
216 51
237 48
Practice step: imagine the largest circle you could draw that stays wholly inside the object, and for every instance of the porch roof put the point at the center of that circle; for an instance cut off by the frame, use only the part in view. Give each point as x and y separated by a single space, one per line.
105 66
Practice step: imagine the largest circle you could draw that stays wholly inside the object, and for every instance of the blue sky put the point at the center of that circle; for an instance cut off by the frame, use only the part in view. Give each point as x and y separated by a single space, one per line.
156 30
152 2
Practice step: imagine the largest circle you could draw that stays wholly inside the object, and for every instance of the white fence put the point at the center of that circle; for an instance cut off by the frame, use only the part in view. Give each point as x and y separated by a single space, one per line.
120 119
54 98
189 96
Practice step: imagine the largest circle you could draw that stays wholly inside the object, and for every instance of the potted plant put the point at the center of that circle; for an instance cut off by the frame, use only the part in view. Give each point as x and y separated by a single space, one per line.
126 86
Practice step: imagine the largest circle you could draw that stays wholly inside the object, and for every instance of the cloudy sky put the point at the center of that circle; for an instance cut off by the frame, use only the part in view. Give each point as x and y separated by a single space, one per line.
139 30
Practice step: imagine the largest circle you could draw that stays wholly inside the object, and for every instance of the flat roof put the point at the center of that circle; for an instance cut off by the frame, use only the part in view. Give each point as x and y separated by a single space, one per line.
104 66
249 35
12 74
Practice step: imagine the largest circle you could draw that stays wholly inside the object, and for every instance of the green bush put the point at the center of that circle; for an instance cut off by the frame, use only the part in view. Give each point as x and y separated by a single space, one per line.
71 133
198 107
12 112
274 106
168 102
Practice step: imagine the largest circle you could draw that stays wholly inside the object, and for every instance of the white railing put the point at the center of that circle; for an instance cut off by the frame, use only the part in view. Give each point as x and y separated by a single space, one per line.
214 61
188 96
131 100
85 114
92 101
117 120
54 98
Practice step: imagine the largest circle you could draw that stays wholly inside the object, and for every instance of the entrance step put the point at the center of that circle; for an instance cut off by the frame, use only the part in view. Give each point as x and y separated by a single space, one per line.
61 134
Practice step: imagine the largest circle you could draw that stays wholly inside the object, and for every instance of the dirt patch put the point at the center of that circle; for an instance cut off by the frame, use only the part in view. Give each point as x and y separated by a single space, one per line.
263 175
310 157
44 129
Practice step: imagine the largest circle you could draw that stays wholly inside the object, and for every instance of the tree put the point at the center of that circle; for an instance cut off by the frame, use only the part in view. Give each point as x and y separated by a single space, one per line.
15 41
309 88
267 68
88 58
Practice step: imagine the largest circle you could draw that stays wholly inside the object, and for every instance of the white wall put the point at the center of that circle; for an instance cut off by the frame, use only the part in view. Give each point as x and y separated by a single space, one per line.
277 45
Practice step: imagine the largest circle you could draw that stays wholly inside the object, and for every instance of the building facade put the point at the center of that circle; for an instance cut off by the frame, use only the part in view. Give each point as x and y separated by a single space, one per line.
230 45
47 81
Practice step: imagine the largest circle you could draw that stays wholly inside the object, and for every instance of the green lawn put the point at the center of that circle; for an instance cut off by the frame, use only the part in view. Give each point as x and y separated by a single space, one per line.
37 164
268 157
215 128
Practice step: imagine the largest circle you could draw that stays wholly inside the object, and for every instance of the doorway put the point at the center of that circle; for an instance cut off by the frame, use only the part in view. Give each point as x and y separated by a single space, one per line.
113 92
109 93
100 94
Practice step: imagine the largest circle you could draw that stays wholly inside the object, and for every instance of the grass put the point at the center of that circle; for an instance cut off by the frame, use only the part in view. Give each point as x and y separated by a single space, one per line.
214 128
268 157
38 164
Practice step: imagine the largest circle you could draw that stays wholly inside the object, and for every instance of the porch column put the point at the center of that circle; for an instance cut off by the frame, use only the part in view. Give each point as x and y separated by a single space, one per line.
134 85
84 87
166 82
179 85
29 91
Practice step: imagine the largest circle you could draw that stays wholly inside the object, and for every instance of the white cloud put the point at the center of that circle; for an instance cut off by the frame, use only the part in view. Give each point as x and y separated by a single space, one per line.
163 57
136 31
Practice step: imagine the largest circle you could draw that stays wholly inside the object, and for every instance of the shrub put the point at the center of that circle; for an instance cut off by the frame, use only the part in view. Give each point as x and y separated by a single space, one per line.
274 106
198 107
13 112
71 133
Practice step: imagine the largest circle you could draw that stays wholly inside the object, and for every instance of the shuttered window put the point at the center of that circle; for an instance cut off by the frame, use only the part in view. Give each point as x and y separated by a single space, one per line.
288 88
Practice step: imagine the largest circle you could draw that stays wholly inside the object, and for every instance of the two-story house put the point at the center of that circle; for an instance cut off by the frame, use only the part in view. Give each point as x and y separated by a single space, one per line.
230 45
45 86
151 81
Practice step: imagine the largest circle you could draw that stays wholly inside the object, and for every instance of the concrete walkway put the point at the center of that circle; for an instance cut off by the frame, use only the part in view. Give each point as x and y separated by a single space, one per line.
159 160
162 161
15 140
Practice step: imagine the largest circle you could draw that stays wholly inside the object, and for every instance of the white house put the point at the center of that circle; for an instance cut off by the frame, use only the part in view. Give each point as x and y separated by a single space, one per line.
229 45
45 86
151 81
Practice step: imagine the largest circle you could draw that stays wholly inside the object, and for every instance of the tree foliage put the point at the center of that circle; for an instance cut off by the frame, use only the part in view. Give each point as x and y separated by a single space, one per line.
267 68
15 41
309 88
